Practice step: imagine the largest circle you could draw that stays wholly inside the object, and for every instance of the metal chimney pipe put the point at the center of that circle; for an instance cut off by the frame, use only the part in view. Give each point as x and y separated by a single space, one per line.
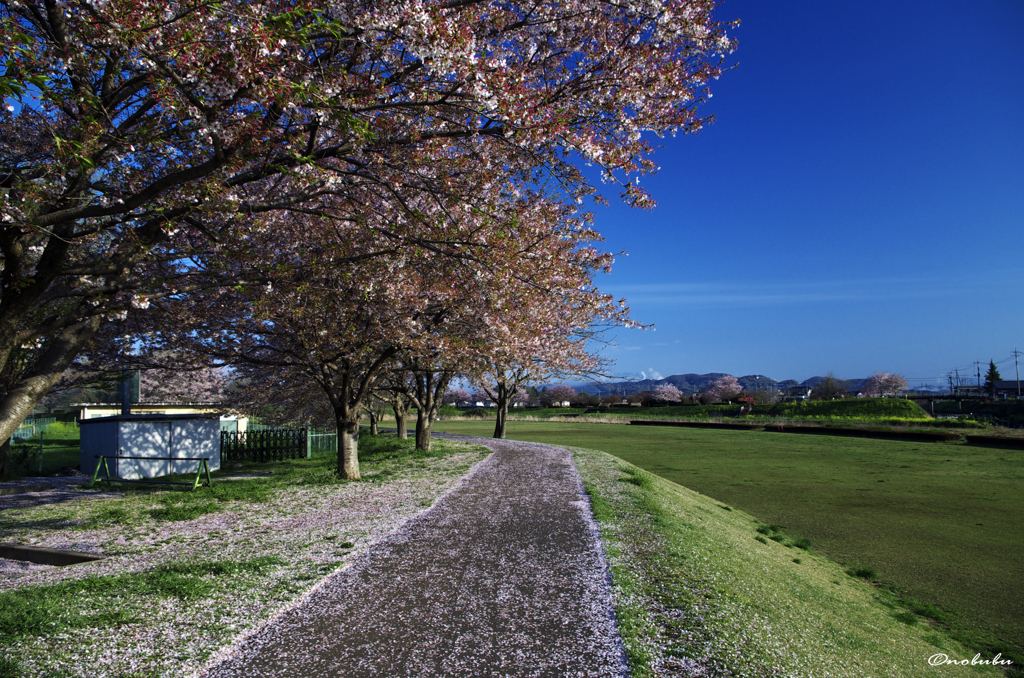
126 393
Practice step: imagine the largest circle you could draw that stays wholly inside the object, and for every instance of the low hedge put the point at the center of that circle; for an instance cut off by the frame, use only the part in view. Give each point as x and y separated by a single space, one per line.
996 441
917 436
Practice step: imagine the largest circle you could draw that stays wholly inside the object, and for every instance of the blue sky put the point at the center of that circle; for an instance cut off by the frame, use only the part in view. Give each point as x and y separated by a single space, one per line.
856 207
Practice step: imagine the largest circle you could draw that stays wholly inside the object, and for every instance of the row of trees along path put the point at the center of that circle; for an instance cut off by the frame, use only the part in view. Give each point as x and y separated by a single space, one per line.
302 187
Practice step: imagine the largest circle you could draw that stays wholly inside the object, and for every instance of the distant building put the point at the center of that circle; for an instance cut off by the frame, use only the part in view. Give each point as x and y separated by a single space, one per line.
1008 389
1003 389
797 394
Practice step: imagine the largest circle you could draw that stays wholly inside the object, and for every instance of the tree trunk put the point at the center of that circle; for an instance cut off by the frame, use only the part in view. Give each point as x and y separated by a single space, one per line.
423 425
19 402
373 423
348 449
400 415
504 394
5 459
499 423
430 387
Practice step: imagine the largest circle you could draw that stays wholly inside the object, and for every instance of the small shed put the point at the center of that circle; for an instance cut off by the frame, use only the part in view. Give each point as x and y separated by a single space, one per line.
170 436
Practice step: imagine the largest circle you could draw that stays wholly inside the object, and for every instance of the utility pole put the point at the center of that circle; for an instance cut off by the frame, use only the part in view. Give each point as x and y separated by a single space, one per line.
977 364
1016 356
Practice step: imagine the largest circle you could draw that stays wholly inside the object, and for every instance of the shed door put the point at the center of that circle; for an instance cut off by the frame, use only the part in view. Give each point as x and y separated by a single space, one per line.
144 439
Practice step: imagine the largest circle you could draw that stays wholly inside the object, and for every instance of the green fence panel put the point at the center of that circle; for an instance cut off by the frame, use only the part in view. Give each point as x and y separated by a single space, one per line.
263 446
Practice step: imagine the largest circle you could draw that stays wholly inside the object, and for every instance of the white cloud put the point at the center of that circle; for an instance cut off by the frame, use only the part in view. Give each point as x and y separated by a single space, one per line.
655 374
806 292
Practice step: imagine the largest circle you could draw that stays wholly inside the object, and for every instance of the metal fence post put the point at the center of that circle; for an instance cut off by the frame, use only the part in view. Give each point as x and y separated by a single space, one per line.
309 444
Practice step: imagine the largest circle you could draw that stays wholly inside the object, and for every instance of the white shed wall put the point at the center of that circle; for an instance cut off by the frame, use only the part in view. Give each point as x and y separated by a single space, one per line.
191 437
195 438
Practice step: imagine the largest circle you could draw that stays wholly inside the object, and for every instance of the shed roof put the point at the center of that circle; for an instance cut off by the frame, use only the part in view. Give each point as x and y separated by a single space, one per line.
149 417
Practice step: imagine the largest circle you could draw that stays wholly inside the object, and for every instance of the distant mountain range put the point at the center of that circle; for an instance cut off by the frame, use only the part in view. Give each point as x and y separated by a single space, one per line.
691 383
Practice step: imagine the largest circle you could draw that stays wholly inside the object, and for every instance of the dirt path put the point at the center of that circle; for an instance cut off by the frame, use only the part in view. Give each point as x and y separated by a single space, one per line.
502 577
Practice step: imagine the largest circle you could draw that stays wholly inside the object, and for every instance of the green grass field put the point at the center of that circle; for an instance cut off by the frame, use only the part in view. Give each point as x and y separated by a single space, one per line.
59 451
941 522
876 408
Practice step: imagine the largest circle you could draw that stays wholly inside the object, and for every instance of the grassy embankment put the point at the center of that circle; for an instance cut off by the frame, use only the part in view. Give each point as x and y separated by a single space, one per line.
856 412
187 572
938 522
700 590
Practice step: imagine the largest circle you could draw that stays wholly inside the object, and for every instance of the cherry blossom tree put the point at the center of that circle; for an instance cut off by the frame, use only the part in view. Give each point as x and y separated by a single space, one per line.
503 385
346 321
430 378
667 393
639 398
133 135
724 388
279 396
193 386
458 395
375 408
394 389
557 351
557 394
882 384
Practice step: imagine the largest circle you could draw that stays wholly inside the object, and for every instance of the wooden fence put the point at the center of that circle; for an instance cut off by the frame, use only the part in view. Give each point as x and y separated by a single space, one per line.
262 446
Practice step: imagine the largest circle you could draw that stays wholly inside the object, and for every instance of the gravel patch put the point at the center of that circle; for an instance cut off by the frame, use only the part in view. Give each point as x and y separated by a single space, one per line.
504 576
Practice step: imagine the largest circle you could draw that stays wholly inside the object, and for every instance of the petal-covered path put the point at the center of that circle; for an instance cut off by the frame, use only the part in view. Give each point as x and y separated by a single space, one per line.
504 576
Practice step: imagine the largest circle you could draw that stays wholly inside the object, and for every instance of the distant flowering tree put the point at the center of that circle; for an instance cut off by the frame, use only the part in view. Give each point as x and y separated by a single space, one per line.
881 384
456 396
557 394
667 393
481 396
584 399
725 388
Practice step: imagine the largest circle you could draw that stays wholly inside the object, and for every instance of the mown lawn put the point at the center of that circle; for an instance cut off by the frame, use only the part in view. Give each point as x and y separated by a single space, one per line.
939 521
702 588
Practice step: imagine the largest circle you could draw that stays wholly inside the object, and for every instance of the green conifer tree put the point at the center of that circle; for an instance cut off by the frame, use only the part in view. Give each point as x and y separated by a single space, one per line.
991 378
